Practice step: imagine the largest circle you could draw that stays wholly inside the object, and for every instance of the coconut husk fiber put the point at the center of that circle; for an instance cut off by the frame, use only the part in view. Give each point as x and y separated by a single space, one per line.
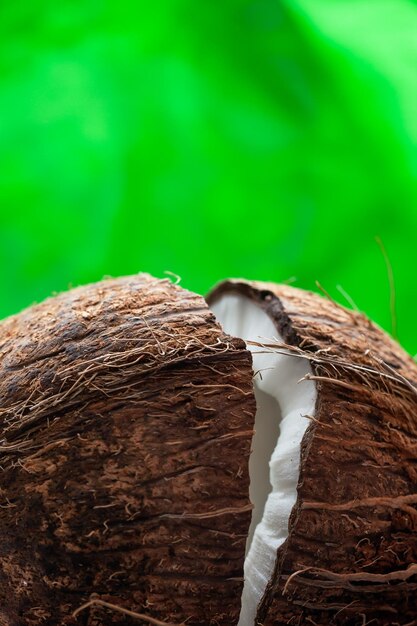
126 420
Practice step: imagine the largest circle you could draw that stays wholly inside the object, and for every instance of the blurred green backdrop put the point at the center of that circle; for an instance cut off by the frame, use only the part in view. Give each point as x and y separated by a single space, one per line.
268 139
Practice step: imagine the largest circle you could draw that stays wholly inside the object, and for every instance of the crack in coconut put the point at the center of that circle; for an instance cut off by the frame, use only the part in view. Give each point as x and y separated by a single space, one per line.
283 402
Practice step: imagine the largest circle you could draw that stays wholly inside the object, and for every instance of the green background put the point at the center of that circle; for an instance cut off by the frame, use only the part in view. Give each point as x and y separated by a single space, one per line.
265 139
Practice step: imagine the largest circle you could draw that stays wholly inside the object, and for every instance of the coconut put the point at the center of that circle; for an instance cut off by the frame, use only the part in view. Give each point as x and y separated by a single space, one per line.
127 419
126 425
335 536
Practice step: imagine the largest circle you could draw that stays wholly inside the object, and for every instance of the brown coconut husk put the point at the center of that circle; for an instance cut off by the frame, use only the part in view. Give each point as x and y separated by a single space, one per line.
351 554
126 420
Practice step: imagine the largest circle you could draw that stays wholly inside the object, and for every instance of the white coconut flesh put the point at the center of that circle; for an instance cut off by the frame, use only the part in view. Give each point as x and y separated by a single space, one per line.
283 402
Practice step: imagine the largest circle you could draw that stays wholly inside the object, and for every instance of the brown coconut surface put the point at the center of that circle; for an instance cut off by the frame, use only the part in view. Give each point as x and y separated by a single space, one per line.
351 554
126 419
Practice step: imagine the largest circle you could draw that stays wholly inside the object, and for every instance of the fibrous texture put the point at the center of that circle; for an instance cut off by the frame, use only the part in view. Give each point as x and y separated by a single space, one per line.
351 552
126 421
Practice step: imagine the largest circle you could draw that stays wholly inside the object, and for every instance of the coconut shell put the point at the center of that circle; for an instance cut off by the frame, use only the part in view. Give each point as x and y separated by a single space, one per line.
351 554
126 419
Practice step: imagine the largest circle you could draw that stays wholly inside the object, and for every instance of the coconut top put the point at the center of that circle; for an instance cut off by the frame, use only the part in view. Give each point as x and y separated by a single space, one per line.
53 351
310 321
